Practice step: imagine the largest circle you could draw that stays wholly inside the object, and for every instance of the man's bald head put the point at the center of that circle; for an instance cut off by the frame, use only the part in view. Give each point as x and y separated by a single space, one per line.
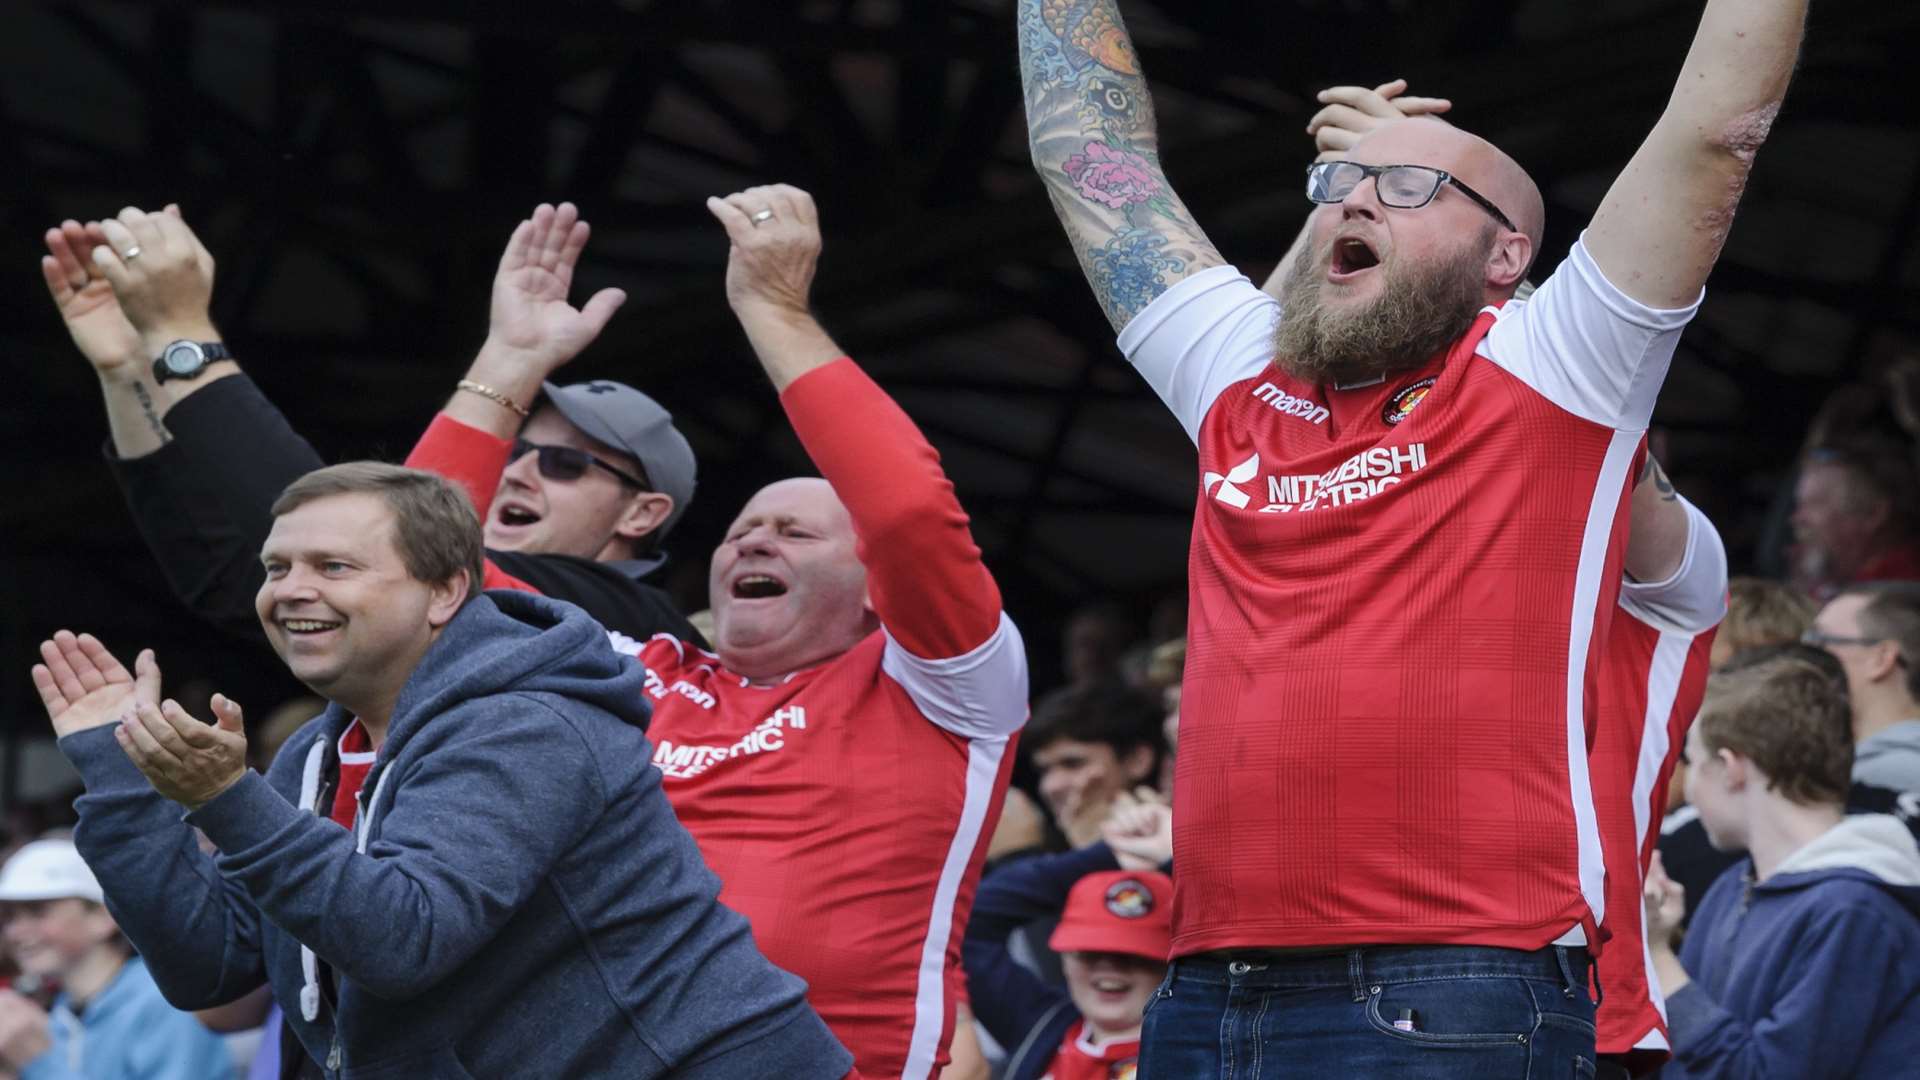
1474 161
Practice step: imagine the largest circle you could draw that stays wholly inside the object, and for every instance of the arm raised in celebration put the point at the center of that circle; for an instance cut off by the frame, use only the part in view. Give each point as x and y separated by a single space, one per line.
1661 226
1093 136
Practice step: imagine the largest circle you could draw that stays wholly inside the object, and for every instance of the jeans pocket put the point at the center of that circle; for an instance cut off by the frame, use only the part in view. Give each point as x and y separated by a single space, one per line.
1584 1069
1465 1011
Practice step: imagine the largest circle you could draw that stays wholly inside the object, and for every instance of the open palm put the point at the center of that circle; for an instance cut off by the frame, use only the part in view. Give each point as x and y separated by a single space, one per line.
530 314
86 300
83 686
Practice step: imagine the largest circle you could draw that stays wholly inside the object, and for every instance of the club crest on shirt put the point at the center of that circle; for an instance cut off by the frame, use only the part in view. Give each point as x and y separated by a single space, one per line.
1402 403
1129 899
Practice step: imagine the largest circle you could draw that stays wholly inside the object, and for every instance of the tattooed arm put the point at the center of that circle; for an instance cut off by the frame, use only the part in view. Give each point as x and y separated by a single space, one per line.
1657 534
1661 226
1090 126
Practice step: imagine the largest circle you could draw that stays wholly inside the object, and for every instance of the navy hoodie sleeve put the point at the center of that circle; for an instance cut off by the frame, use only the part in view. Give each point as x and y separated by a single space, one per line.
468 833
1824 1009
199 933
1006 997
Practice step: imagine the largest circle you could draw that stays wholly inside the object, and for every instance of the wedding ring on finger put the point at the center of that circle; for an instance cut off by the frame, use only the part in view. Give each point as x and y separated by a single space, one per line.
761 215
130 254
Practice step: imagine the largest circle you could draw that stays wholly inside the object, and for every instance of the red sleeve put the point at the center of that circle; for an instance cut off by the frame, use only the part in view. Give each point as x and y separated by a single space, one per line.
931 590
473 459
465 455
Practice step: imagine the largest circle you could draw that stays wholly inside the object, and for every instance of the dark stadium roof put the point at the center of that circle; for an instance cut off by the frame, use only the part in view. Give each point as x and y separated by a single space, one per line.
356 165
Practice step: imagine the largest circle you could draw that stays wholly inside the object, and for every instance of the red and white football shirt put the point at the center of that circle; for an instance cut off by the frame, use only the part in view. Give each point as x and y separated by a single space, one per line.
847 808
1398 597
1653 673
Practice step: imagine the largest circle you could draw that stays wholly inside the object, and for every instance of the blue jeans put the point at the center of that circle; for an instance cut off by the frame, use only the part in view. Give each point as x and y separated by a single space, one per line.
1408 1013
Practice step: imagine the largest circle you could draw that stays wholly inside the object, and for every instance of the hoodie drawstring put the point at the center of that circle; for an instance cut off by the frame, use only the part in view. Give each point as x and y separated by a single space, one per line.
309 798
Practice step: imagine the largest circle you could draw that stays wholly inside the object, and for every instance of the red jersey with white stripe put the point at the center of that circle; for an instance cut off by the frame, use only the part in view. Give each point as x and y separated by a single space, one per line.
1653 674
846 808
1399 592
1083 1056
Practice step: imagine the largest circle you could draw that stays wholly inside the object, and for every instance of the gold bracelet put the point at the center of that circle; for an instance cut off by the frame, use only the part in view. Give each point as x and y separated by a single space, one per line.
491 394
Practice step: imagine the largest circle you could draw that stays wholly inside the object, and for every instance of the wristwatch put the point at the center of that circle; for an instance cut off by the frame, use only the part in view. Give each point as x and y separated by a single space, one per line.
187 359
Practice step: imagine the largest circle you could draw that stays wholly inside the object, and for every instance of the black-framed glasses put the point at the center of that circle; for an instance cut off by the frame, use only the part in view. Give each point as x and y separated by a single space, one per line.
1820 639
1405 187
566 463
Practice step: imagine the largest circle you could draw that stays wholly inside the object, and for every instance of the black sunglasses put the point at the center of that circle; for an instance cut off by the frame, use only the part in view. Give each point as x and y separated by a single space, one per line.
1405 187
566 463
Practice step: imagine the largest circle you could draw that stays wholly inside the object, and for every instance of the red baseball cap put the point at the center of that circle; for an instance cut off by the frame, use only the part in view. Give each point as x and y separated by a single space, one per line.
1118 911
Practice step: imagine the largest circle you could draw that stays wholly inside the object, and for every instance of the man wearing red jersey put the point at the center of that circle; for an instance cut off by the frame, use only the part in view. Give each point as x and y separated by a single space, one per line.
1406 554
840 756
1653 668
1653 674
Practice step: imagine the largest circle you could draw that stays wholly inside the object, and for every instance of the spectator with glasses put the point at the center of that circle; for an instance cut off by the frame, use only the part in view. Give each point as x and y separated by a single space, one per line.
1406 552
1873 629
591 477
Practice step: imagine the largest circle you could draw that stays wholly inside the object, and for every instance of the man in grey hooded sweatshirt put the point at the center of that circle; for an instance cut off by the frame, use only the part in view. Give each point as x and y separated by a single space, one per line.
456 870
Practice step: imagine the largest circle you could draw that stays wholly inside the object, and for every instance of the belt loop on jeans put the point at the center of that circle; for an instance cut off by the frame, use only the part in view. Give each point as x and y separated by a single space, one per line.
1357 974
1564 956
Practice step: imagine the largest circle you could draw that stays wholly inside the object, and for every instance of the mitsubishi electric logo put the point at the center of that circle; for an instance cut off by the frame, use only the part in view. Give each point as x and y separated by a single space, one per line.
1360 477
1239 474
770 735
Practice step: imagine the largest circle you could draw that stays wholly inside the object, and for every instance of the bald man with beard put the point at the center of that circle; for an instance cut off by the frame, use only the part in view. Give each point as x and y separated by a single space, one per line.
1407 552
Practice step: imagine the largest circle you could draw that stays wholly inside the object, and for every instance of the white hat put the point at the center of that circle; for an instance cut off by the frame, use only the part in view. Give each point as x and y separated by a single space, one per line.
48 870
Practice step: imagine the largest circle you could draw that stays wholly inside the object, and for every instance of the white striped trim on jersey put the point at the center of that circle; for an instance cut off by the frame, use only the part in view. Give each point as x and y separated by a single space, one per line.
1601 512
1663 685
984 757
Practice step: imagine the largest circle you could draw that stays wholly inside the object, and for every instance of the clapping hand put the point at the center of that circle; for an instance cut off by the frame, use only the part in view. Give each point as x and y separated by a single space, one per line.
531 324
1139 829
161 274
83 686
1349 112
83 294
184 759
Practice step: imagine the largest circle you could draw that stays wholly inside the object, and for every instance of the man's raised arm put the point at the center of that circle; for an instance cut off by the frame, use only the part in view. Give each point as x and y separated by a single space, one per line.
1661 226
925 578
1091 129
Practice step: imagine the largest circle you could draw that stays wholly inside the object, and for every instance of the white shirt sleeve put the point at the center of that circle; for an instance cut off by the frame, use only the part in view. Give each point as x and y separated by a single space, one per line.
1694 598
1198 338
980 694
1586 346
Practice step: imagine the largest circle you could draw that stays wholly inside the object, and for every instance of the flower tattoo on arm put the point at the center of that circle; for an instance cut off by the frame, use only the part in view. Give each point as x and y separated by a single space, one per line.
1091 129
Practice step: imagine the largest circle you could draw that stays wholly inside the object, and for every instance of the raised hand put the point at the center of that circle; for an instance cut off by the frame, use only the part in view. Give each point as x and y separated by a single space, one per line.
775 235
184 759
83 686
1348 112
774 238
1664 903
1139 829
87 304
161 273
531 324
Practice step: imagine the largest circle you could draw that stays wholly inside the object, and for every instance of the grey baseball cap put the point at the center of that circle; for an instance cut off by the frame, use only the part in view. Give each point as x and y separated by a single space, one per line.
635 424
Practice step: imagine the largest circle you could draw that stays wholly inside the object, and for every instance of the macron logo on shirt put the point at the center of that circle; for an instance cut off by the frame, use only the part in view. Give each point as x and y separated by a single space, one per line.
1282 402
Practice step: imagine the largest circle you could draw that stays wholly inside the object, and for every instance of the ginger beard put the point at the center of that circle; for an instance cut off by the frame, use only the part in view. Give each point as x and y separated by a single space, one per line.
1422 308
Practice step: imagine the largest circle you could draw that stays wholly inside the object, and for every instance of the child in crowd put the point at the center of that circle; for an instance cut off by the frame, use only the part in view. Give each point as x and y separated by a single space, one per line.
1803 960
1113 937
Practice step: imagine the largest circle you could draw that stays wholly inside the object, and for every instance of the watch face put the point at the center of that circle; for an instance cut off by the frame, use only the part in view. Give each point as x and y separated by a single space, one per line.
183 357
